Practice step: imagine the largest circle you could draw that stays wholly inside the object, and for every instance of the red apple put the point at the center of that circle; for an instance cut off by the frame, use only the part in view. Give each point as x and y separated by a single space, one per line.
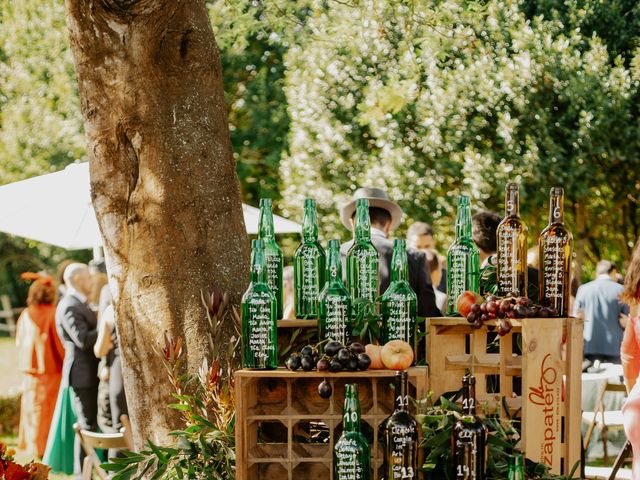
397 355
466 300
374 352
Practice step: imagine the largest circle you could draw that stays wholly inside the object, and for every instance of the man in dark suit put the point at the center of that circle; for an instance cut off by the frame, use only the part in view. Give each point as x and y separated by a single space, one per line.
385 216
77 328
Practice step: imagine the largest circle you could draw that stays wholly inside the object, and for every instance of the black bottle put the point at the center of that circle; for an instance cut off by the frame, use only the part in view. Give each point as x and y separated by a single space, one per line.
399 434
469 439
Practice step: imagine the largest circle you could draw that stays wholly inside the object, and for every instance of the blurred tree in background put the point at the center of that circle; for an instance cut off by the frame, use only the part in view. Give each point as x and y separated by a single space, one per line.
433 99
427 99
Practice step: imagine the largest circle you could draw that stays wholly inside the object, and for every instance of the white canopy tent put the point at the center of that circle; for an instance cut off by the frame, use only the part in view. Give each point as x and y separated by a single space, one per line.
56 209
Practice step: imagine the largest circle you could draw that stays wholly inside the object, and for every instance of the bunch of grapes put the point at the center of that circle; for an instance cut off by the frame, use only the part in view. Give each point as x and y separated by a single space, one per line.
335 358
505 309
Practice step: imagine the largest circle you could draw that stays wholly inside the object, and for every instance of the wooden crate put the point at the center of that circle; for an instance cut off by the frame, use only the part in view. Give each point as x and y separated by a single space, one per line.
278 410
547 374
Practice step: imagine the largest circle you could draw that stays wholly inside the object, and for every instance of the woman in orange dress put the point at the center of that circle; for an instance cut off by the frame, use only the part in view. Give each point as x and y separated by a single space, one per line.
630 356
40 357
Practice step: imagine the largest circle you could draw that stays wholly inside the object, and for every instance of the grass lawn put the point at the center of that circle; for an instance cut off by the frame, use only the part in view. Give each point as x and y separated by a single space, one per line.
9 367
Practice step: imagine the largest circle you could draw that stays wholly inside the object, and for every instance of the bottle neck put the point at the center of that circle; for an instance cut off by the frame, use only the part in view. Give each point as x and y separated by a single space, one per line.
363 222
310 224
556 209
334 264
463 221
401 392
351 414
399 264
258 266
469 398
512 202
266 231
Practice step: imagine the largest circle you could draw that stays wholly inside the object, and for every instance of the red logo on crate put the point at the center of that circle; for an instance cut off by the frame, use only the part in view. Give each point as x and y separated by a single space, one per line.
546 396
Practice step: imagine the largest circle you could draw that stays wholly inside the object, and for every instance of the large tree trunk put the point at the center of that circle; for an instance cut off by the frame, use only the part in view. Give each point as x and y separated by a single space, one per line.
163 181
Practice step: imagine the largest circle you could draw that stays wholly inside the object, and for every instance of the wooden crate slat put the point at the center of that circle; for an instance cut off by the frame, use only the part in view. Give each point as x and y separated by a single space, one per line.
306 459
453 346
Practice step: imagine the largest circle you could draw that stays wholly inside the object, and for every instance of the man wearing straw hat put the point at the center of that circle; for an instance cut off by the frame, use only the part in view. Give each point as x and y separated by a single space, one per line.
385 216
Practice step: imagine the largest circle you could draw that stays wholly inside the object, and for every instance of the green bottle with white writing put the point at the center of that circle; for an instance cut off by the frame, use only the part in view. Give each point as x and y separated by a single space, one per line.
308 265
362 261
259 323
351 453
272 252
334 320
399 303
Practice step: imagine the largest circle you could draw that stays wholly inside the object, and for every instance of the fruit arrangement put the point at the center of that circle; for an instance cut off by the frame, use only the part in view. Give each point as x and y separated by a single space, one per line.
336 357
479 310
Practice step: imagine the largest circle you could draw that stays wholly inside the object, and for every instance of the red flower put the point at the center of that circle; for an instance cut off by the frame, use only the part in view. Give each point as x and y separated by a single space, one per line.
14 471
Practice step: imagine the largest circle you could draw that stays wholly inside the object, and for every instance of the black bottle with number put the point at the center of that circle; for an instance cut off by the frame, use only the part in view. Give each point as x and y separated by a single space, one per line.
469 439
399 435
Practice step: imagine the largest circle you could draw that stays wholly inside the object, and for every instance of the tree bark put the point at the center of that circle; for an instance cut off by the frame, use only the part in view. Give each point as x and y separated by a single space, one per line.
163 181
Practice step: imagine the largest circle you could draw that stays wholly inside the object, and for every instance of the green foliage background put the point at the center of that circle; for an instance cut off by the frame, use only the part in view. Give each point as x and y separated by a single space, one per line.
426 98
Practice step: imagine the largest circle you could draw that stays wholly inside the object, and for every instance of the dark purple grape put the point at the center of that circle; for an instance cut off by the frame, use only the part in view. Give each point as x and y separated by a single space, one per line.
472 317
501 313
307 350
492 307
477 324
504 327
543 313
364 361
352 364
293 362
511 314
483 307
484 318
524 301
521 312
324 389
335 366
332 348
491 298
553 312
307 363
343 356
475 308
323 364
356 348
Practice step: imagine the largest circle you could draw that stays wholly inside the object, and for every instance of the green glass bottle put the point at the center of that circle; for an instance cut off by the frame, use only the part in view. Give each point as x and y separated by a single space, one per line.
463 259
334 319
259 322
399 303
308 265
399 435
516 468
272 252
362 261
351 453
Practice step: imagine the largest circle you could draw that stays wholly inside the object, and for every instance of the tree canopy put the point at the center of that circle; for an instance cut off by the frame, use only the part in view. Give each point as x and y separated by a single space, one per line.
426 99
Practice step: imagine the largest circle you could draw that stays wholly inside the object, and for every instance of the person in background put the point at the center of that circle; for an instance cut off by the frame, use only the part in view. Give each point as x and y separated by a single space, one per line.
107 347
435 266
598 304
99 280
420 236
60 276
484 228
630 356
385 216
77 328
40 357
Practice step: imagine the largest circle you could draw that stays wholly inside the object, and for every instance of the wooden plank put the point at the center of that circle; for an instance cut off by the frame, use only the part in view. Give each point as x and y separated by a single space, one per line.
443 378
542 383
297 323
285 374
573 392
